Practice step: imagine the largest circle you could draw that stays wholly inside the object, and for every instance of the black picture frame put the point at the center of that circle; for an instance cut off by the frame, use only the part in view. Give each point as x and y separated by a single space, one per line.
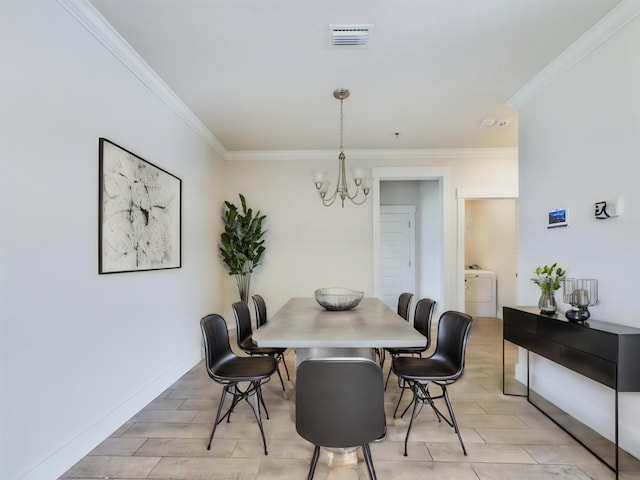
139 213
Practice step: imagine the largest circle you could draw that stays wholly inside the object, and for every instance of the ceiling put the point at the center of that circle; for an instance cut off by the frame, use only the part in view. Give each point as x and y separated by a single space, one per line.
260 74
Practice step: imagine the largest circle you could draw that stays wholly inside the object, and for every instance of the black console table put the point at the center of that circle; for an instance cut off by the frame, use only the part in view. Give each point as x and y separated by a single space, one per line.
605 352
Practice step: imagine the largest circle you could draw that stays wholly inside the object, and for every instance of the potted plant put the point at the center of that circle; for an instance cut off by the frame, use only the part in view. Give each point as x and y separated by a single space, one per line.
549 279
241 243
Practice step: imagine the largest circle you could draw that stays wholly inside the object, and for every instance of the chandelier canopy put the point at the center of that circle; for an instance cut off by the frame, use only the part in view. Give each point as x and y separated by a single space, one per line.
361 182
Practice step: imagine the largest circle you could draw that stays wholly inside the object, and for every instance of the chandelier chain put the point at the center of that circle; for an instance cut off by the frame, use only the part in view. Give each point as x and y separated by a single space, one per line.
341 125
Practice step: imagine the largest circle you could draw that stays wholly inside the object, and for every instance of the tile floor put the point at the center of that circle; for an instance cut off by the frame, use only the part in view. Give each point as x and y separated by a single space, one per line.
506 437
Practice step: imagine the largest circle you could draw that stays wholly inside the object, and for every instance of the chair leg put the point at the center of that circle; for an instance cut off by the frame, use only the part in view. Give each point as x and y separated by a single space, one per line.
382 355
453 418
426 397
421 396
403 387
367 456
416 410
257 400
217 420
238 395
286 369
387 382
280 376
259 393
314 462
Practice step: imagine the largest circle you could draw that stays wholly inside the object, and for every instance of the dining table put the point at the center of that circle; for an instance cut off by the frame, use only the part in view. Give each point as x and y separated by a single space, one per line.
303 325
313 331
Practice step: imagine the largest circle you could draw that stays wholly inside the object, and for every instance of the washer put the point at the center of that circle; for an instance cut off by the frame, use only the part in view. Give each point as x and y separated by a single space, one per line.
480 293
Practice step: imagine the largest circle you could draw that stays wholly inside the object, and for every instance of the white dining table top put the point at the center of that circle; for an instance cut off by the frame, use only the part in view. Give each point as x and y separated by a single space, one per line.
303 323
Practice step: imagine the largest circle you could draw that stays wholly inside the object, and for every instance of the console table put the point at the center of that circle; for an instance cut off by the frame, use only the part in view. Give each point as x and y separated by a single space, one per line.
604 352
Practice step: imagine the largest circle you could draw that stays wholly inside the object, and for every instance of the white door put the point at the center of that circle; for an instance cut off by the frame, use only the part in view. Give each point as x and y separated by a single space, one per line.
397 252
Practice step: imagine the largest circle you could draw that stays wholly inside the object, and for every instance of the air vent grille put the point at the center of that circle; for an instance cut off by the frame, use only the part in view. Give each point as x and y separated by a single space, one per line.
350 35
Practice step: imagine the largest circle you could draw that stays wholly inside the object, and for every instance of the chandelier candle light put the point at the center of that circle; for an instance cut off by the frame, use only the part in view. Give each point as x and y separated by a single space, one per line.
362 183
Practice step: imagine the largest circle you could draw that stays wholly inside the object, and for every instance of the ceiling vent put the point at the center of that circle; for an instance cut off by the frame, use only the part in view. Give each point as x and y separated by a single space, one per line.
350 35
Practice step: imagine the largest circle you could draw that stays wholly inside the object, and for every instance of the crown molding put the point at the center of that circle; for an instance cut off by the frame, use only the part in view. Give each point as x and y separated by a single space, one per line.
382 154
87 15
621 15
91 19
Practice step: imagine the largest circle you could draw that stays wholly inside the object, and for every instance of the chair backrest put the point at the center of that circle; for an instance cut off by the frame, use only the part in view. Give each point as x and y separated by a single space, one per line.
423 316
404 301
243 324
261 310
217 349
339 401
453 333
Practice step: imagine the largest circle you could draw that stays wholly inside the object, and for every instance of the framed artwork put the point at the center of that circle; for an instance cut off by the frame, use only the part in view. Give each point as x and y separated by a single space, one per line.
139 213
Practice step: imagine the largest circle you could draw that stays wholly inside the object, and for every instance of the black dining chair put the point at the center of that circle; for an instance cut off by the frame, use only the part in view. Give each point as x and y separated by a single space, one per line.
422 323
261 319
261 310
404 303
241 377
244 339
340 404
444 367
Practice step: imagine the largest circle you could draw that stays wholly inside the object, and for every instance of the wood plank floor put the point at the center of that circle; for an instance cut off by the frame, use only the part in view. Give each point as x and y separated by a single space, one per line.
506 437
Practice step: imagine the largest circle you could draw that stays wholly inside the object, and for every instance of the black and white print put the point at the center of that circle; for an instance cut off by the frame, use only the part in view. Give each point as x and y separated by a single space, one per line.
139 213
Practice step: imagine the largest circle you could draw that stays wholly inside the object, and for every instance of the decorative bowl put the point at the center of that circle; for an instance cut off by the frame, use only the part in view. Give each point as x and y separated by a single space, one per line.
338 298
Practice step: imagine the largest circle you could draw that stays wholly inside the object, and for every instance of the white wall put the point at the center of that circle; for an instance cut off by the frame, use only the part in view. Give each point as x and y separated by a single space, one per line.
80 352
431 243
579 144
310 246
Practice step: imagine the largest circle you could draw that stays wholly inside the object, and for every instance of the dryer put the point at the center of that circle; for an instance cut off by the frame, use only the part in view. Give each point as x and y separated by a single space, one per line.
480 293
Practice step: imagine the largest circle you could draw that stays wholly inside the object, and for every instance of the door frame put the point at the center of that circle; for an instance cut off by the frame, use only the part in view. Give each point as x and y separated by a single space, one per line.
462 195
448 254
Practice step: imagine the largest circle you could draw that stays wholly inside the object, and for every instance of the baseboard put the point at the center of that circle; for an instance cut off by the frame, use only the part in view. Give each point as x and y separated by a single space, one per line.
68 455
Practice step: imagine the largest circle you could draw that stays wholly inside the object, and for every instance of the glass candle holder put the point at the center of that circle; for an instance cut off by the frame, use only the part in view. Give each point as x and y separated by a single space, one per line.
580 293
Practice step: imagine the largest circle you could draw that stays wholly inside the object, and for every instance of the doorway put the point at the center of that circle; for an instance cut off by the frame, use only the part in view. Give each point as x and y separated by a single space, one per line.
435 228
488 240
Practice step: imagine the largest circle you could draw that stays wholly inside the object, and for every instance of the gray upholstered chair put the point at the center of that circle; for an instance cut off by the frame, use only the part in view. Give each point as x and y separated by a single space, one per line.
340 404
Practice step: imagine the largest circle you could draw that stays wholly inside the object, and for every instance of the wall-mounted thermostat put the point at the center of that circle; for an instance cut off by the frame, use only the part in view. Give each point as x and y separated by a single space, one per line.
558 218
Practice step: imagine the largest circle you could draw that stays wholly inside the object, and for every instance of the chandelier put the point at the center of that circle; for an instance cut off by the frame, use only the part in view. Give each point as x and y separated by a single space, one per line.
362 184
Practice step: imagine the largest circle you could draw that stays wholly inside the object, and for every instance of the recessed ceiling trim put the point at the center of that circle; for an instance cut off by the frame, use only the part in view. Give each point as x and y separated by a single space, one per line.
357 36
621 15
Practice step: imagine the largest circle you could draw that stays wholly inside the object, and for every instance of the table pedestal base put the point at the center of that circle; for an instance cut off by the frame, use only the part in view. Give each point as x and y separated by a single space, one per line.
303 354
